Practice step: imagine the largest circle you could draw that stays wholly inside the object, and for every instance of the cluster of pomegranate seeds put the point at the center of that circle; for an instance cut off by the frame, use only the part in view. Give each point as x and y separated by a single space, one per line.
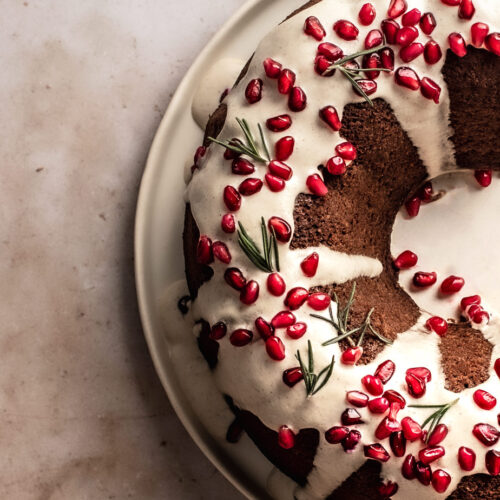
349 438
472 309
253 92
483 177
486 434
367 14
286 437
241 337
314 28
376 452
204 250
424 279
438 325
484 399
405 260
309 265
292 376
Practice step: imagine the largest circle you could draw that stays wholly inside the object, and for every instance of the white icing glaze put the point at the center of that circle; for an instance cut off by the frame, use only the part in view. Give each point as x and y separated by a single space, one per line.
248 374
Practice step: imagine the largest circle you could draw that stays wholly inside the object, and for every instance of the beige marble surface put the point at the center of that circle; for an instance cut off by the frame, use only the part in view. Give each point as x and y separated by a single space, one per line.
83 87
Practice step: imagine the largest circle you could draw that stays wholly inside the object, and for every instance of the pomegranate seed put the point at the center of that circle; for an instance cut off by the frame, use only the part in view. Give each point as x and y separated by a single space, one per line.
234 431
351 355
452 284
284 148
466 458
336 434
390 29
280 169
283 319
481 317
411 52
286 81
440 480
406 35
405 260
264 328
486 433
331 51
469 301
230 154
275 348
296 331
409 467
438 435
272 68
376 452
346 30
228 223
330 116
492 43
430 89
292 376
279 123
253 92
386 428
281 229
250 186
426 192
314 28
199 154
411 17
396 8
484 399
423 473
350 416
483 177
346 150
416 386
204 251
428 23
242 166
388 489
395 397
421 372
232 198
423 280
286 437
369 87
296 297
373 39
378 405
437 325
406 77
478 32
397 441
309 265
321 65
411 429
492 462
318 301
297 100
250 293
218 331
276 284
274 183
387 58
221 252
241 337
234 278
316 185
336 166
497 367
367 14
385 371
457 44
413 204
357 398
451 3
352 439
373 385
372 61
431 454
466 9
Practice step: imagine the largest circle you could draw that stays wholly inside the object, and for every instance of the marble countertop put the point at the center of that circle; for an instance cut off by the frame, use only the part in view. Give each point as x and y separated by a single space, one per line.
84 86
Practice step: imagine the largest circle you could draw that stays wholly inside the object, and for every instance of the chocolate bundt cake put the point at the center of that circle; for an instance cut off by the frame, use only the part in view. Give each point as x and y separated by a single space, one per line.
344 114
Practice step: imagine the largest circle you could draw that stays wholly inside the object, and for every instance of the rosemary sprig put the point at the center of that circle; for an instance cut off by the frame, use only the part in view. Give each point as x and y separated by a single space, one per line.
313 382
250 146
263 259
436 417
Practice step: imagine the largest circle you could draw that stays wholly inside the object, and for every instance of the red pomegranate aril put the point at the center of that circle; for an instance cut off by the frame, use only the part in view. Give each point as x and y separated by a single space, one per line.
483 177
351 355
279 123
264 328
314 28
250 186
457 44
346 150
492 43
373 39
280 169
351 440
232 198
406 77
438 325
411 18
234 278
440 480
286 81
492 462
372 61
373 385
469 301
309 265
204 250
228 224
496 366
322 65
331 51
378 405
283 319
428 23
336 434
276 284
390 29
397 441
250 293
241 337
423 279
221 252
411 52
406 35
272 68
275 348
481 317
409 469
241 166
369 87
479 32
350 416
430 89
484 399
274 183
466 10
316 185
318 301
229 154
396 8
466 458
367 14
346 30
218 331
486 433
431 454
292 376
376 451
451 3
416 386
297 100
281 228
253 92
411 429
296 331
386 427
336 166
438 435
423 473
426 192
296 298
406 260
452 284
286 437
413 204
330 116
283 149
421 372
385 371
387 58
357 398
396 398
387 490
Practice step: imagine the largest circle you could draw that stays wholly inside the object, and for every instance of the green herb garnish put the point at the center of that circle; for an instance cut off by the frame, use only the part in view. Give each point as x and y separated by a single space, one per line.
313 382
